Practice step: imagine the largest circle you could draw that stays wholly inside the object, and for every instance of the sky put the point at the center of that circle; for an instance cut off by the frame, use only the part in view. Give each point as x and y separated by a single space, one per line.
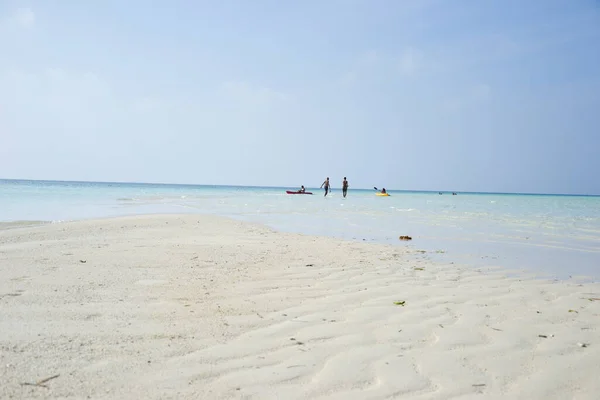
462 95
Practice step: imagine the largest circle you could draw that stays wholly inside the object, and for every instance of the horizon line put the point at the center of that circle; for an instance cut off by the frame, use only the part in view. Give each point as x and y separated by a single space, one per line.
288 187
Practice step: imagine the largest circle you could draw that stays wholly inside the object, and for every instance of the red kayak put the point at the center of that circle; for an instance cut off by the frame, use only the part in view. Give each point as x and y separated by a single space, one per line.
290 192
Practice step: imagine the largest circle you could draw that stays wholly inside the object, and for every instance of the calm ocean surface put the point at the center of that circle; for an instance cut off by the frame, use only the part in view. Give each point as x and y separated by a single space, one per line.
555 236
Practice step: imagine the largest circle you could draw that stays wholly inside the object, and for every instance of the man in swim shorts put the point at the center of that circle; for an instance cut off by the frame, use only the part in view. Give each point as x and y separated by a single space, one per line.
345 187
326 185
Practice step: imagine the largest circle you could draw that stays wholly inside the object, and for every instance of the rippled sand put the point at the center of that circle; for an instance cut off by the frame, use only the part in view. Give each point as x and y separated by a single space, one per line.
181 307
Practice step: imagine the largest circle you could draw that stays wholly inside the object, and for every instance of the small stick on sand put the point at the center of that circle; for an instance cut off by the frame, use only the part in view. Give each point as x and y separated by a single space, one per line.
40 383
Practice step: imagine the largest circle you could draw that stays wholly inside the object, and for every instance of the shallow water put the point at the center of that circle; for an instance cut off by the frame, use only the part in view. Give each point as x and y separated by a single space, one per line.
556 236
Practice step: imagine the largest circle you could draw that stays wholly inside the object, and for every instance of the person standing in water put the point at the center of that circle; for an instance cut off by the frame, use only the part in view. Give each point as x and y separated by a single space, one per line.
345 187
326 186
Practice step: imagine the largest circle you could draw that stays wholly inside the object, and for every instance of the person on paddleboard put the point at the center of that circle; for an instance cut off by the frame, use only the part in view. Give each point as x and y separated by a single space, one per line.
345 187
326 186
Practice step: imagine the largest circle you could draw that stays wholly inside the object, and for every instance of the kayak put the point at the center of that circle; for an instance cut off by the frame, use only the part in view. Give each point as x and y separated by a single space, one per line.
381 194
290 192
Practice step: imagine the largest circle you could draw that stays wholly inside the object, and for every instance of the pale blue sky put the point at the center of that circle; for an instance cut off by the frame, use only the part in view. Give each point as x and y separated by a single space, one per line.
465 95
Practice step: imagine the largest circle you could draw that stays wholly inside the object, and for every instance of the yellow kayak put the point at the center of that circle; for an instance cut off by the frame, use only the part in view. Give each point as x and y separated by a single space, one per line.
381 194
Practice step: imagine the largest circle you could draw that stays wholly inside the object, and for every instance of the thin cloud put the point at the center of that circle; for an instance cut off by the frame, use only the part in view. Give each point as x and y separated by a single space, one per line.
24 17
363 65
147 104
373 65
409 62
54 88
481 92
348 78
369 58
475 95
251 94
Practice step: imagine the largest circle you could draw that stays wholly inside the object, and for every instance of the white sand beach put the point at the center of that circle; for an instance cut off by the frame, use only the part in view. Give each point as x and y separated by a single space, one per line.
199 307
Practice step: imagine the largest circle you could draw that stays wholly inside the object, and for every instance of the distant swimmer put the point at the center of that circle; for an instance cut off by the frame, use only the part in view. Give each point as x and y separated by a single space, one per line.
345 187
326 186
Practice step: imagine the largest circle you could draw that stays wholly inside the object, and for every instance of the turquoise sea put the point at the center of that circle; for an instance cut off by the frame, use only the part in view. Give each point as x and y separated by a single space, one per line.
551 235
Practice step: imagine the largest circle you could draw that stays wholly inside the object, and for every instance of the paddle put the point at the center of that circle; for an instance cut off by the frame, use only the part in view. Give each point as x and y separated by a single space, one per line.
379 190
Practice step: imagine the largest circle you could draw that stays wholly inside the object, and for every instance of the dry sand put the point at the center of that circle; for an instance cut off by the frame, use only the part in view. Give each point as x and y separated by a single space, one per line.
196 307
